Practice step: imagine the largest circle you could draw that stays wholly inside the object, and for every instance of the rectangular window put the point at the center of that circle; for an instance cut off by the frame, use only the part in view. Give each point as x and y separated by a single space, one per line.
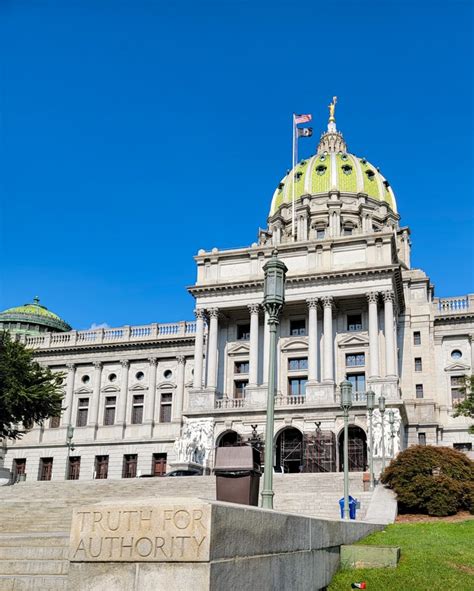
129 466
239 388
158 466
354 322
320 234
101 467
417 337
74 468
357 380
137 409
82 410
457 389
347 231
243 332
19 466
241 367
54 422
298 327
297 386
45 469
298 364
419 390
355 359
109 410
418 364
421 438
165 409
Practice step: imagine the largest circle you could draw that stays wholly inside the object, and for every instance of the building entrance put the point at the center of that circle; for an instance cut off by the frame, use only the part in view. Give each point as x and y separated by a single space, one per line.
357 443
289 451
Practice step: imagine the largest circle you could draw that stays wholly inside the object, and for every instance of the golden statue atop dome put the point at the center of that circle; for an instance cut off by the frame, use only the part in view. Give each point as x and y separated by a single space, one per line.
332 108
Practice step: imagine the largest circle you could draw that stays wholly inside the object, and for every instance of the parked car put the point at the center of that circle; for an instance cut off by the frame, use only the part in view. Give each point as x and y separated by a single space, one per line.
190 472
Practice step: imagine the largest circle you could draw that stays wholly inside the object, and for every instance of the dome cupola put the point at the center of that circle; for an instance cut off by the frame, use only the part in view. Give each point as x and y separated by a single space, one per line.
32 319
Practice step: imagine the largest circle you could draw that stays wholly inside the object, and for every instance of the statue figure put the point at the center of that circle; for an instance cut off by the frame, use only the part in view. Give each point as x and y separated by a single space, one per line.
332 108
196 441
392 444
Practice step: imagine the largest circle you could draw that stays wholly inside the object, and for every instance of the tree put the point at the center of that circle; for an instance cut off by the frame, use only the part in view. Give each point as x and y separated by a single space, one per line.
465 408
29 393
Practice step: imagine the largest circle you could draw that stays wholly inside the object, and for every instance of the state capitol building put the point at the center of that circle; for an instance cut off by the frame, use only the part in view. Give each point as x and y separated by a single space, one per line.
142 399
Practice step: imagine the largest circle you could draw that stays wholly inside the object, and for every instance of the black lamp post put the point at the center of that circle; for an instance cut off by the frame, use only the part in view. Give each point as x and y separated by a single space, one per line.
382 413
370 410
273 302
70 446
391 422
346 404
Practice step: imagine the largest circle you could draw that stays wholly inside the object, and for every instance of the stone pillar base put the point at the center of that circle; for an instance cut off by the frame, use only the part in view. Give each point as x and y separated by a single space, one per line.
202 399
256 396
323 393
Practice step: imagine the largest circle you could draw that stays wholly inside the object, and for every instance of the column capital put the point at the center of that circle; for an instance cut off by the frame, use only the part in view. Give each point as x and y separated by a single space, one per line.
312 302
388 296
200 313
372 297
181 359
328 301
98 364
254 308
213 312
125 363
71 366
153 361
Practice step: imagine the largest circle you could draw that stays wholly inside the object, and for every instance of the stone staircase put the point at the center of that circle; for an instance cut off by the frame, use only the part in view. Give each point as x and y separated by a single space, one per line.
35 517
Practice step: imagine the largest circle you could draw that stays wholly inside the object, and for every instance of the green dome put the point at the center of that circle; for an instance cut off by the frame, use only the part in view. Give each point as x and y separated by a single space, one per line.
332 168
31 319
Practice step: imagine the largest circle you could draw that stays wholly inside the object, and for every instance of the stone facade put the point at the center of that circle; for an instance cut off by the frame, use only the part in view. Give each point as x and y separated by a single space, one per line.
355 309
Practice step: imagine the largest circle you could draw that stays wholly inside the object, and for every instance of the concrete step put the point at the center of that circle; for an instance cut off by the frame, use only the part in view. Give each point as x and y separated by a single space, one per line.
33 583
33 553
28 539
34 567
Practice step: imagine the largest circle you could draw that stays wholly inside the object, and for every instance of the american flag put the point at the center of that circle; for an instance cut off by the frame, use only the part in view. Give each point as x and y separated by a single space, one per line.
302 118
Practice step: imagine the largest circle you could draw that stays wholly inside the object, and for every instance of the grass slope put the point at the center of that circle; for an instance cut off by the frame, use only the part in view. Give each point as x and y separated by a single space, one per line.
434 556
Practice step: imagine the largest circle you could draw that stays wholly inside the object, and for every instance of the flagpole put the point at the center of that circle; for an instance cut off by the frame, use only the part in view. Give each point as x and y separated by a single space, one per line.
293 164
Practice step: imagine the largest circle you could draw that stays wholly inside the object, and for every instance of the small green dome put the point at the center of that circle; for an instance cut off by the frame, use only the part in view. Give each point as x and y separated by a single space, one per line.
31 319
332 168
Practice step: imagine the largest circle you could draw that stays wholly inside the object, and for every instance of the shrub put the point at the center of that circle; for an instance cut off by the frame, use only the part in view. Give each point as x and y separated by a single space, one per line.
433 480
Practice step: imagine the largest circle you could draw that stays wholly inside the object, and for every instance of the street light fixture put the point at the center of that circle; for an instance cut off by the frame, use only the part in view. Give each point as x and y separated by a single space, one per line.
346 404
382 413
370 410
391 420
70 446
273 302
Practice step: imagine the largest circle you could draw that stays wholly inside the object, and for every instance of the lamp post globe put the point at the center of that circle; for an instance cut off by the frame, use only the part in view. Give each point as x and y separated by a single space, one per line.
346 404
273 302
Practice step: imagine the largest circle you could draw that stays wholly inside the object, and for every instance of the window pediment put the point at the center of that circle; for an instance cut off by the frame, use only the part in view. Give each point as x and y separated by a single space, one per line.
165 385
356 340
294 344
457 367
111 389
239 349
138 387
83 390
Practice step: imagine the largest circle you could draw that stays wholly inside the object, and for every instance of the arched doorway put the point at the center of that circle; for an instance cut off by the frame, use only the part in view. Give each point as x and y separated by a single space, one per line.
289 451
357 441
229 438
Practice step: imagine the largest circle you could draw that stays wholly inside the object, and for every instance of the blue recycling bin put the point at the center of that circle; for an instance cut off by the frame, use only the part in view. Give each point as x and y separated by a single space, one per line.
352 507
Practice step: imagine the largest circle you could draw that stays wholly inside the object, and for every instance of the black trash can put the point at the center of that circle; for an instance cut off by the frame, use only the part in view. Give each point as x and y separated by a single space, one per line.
237 471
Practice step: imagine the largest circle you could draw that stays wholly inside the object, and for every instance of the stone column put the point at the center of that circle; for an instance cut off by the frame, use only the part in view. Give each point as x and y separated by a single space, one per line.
198 349
266 349
388 298
373 334
253 361
69 399
212 350
94 409
177 410
471 340
150 398
312 339
328 375
122 406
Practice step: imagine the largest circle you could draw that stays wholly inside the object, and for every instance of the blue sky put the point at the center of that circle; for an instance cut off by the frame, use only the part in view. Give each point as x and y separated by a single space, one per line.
135 133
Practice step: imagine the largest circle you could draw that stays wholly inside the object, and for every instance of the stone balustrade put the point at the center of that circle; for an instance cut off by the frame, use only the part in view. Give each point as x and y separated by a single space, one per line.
123 334
454 305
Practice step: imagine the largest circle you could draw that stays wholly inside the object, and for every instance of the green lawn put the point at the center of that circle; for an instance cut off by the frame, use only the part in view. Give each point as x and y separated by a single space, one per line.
434 556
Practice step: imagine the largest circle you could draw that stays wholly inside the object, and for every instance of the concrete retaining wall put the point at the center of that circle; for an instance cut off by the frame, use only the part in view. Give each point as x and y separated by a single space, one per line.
181 544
